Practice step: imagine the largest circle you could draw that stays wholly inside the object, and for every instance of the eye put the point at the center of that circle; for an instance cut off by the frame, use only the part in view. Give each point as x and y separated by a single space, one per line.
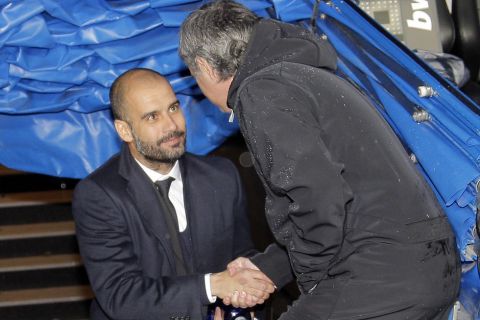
152 116
174 107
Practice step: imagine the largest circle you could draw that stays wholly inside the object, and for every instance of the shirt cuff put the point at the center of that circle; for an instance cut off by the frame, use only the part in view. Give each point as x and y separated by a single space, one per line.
208 288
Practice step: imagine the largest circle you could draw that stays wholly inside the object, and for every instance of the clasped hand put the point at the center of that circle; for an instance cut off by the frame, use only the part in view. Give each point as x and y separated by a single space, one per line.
242 284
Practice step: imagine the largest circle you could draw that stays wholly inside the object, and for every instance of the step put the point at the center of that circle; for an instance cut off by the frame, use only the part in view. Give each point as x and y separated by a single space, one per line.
26 297
77 310
34 182
38 246
37 230
40 262
36 214
4 171
44 278
35 198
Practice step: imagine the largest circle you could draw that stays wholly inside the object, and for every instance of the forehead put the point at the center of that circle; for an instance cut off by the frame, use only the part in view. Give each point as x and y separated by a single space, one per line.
147 94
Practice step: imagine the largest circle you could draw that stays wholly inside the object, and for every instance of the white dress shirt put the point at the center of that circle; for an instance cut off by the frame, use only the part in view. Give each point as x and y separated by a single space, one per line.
175 194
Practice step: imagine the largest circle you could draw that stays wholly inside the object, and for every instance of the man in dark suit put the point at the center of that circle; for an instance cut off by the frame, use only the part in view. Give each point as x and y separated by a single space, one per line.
154 255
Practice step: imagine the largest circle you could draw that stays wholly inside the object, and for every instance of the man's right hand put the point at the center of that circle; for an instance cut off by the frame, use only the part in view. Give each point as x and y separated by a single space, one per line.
233 267
240 263
246 288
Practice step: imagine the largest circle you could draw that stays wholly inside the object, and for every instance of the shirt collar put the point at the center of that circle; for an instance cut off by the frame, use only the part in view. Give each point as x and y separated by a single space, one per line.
155 176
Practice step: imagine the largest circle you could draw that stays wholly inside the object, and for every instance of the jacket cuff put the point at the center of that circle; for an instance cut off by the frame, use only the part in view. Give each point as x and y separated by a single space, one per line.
208 289
275 263
202 284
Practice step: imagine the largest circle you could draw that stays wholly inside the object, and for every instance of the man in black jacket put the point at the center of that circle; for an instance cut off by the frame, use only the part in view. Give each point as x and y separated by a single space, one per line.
357 223
149 257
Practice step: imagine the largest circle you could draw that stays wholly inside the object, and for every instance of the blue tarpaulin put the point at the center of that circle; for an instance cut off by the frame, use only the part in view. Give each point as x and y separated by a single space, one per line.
59 58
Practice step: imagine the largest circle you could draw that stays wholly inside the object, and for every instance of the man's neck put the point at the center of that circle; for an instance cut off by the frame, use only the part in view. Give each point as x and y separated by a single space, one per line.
160 167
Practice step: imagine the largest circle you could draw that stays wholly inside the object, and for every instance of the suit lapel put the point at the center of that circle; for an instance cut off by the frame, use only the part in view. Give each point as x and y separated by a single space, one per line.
199 208
146 200
189 211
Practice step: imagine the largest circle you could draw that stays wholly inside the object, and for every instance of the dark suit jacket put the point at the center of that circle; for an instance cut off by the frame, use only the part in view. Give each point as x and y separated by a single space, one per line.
124 243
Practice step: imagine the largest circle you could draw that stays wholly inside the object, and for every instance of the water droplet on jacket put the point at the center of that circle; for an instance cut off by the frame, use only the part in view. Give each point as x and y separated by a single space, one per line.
293 207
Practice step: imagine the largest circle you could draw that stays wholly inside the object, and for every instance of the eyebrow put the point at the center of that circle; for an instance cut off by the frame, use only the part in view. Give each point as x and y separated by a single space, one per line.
173 103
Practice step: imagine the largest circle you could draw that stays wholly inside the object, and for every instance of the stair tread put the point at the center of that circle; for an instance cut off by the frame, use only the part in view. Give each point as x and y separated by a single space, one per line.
35 198
37 230
40 262
4 171
13 298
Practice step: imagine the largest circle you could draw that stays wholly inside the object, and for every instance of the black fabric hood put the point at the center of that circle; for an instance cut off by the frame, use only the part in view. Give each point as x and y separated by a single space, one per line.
273 42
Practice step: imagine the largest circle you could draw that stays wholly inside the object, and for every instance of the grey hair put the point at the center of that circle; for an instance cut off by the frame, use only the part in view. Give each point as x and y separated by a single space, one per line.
217 32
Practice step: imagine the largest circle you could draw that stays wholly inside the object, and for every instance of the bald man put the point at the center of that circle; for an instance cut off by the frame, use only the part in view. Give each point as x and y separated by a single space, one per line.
154 252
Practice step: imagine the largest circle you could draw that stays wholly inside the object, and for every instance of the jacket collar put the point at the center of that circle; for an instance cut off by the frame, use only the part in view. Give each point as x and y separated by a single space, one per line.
155 176
145 199
272 42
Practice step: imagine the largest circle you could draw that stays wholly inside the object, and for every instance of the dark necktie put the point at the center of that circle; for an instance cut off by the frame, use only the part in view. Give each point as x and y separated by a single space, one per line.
172 223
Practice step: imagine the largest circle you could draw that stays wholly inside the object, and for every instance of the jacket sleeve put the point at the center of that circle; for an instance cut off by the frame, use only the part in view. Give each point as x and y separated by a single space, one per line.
275 264
306 193
274 260
243 244
121 288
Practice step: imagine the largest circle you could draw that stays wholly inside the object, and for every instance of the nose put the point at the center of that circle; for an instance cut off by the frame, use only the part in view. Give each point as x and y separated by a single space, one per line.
170 124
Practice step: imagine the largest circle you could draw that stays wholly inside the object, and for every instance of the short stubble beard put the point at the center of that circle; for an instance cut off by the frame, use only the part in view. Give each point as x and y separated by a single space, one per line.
155 152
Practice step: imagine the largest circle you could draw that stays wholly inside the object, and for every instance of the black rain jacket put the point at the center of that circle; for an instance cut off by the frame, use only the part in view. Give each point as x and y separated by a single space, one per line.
343 197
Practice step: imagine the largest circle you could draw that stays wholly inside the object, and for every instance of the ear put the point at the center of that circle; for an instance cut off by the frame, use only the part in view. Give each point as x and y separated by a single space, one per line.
123 130
206 68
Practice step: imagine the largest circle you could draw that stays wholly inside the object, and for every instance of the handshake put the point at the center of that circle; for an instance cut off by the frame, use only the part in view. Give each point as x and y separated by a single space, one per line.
242 284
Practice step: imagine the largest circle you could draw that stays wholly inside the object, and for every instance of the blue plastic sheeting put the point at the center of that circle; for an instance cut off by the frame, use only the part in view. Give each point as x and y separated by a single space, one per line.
57 62
469 292
57 143
58 59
